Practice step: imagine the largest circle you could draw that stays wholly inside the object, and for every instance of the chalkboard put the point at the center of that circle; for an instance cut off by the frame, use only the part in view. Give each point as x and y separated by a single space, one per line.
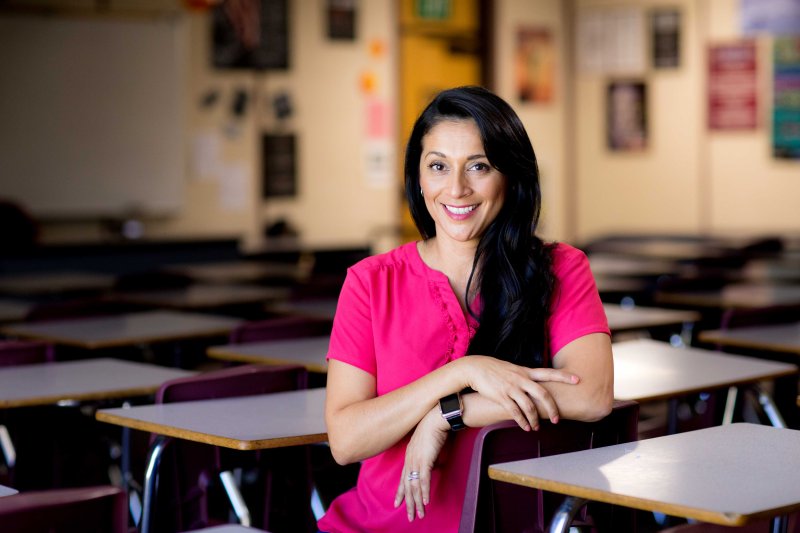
92 113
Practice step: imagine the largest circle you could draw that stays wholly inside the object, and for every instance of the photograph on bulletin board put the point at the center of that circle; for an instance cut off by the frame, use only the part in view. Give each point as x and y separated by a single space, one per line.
251 35
665 26
786 106
626 111
535 65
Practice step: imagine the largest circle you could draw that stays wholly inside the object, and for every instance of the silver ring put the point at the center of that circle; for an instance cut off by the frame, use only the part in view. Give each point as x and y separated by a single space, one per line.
413 475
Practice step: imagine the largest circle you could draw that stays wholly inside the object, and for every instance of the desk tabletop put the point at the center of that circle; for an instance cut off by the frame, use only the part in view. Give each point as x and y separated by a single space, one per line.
239 271
125 330
646 370
739 295
203 296
309 352
55 282
607 264
633 318
725 475
7 491
321 308
246 423
776 337
91 379
13 310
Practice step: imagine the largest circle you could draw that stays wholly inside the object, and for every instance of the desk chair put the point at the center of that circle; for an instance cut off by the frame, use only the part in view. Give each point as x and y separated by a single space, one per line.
99 509
280 328
187 475
13 353
75 308
786 389
494 507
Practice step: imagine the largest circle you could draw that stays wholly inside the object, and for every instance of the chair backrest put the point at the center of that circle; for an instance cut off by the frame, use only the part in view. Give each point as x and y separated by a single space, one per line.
188 473
493 507
280 328
13 353
99 509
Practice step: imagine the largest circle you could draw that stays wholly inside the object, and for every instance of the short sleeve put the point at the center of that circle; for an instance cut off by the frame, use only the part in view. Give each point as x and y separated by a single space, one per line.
576 309
352 339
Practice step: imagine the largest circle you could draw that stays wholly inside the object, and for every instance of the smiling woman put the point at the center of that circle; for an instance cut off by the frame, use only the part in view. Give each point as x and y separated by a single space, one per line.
401 395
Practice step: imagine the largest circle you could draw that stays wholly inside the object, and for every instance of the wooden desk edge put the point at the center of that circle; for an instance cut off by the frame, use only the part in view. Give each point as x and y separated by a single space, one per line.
96 345
205 438
217 352
643 504
79 397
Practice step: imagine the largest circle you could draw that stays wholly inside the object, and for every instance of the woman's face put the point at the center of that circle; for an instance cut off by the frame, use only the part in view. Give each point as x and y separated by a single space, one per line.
462 191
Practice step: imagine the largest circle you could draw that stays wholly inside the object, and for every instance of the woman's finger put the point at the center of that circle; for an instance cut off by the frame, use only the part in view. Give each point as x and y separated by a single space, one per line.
401 491
527 407
545 403
515 413
409 499
416 495
553 374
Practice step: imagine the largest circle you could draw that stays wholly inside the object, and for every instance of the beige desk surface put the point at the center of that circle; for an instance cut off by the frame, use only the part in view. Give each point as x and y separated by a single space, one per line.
736 296
309 352
13 310
125 330
626 319
668 250
246 423
777 338
92 379
725 475
606 264
203 296
7 491
646 370
55 282
784 269
237 271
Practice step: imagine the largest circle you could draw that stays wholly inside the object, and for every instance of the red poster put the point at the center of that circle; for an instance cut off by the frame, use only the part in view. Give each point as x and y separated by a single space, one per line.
732 101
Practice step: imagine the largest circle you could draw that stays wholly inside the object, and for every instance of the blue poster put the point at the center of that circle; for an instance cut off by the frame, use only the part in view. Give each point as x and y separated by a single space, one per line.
786 95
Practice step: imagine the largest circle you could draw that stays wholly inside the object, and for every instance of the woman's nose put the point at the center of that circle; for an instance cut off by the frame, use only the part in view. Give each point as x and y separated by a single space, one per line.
458 185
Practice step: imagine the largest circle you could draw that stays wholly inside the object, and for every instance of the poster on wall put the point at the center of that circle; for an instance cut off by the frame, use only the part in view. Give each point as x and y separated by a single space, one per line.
786 98
534 65
665 25
732 86
626 116
255 39
279 165
611 40
774 17
341 17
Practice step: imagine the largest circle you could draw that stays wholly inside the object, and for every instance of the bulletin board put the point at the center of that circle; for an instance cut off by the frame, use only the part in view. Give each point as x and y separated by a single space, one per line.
93 114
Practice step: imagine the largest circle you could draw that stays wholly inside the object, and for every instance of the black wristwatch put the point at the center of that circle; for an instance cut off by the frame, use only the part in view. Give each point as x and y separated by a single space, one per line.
452 408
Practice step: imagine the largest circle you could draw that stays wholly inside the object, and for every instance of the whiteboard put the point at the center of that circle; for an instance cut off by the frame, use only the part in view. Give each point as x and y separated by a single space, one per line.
92 115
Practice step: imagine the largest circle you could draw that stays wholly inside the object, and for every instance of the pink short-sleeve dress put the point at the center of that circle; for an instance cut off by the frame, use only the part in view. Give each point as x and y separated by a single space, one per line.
398 320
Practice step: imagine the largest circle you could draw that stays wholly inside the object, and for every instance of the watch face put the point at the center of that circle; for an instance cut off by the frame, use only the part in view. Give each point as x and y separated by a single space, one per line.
450 404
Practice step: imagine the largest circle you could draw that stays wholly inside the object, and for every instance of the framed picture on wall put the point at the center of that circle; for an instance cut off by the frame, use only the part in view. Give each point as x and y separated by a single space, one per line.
254 36
665 26
626 116
279 164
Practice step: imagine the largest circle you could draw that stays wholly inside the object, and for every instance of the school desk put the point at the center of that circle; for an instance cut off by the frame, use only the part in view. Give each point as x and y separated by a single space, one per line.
727 475
622 319
783 338
203 296
309 352
124 330
239 271
647 370
246 423
49 283
13 310
7 491
314 308
740 295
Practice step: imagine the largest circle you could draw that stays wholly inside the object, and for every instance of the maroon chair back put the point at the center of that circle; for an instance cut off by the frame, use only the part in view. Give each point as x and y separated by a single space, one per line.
13 353
492 507
189 494
99 509
280 328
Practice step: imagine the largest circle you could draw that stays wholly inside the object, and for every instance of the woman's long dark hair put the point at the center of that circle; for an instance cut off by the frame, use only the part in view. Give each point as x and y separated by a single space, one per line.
512 267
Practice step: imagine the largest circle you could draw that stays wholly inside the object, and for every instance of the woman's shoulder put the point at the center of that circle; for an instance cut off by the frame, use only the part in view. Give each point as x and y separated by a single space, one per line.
567 258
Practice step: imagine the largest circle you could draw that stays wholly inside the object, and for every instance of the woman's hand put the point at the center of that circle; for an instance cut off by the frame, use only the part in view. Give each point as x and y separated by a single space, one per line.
422 451
515 387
